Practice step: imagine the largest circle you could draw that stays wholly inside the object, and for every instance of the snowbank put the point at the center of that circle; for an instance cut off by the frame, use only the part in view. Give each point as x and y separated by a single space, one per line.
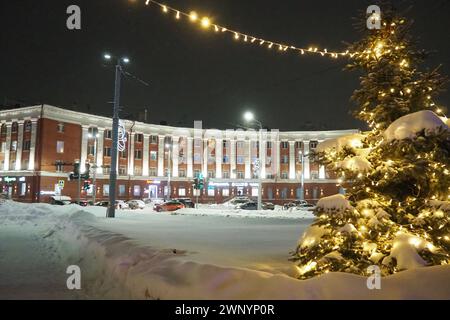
274 214
116 266
408 126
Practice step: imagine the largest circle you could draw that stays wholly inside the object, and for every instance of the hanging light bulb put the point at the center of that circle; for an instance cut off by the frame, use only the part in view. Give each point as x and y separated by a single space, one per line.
177 16
193 16
205 22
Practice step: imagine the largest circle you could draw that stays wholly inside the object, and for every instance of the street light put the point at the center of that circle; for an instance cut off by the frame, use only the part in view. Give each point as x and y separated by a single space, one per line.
94 182
110 212
169 171
249 117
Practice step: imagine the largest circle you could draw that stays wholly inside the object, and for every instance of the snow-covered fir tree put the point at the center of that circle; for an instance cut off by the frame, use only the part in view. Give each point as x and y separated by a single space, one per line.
395 213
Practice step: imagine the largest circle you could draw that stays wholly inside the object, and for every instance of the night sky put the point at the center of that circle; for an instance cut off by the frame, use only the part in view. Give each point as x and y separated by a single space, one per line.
195 74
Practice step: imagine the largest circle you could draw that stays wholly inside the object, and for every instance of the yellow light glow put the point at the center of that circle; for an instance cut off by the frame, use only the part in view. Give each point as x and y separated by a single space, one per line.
193 16
177 15
205 22
236 36
164 8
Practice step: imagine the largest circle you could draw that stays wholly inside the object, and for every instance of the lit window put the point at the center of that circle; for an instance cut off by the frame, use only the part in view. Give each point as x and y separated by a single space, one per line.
137 191
152 172
13 145
121 190
226 192
59 146
211 192
181 192
153 155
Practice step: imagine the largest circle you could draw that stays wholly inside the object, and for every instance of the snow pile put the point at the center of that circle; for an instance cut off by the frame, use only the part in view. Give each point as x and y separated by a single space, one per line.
356 164
116 264
408 126
334 203
353 141
404 250
238 213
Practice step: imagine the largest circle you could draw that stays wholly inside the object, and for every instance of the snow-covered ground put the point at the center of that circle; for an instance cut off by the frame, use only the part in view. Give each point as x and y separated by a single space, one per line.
146 255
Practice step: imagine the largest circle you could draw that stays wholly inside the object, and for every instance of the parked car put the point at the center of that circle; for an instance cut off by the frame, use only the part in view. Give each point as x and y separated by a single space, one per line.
233 202
136 204
307 206
170 205
102 203
250 205
60 200
187 202
120 204
83 203
295 203
268 206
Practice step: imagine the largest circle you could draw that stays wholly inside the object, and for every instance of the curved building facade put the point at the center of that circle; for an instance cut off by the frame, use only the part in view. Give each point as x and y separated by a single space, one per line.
40 144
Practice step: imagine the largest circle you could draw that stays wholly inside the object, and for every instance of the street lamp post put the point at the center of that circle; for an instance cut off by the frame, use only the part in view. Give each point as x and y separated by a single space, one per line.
94 182
302 181
249 117
110 213
169 171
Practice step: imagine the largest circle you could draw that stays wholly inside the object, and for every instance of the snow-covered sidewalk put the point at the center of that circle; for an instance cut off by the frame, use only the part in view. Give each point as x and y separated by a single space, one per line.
146 255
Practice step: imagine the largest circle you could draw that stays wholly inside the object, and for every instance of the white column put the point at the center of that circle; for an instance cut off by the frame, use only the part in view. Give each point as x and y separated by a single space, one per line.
189 159
8 146
292 160
131 154
84 143
145 156
32 144
248 159
277 148
262 157
306 159
175 155
205 158
161 156
232 158
100 141
19 146
219 149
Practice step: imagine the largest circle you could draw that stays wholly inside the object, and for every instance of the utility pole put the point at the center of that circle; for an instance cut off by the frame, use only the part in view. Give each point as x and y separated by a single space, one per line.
110 213
95 168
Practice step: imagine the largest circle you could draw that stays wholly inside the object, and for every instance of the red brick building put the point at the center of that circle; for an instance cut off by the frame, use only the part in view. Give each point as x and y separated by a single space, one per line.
40 144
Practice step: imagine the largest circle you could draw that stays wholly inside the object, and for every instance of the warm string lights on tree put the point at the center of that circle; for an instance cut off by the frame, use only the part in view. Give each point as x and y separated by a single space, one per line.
206 23
396 211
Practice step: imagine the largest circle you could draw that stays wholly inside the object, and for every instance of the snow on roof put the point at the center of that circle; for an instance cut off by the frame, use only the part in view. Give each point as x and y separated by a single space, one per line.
408 126
352 140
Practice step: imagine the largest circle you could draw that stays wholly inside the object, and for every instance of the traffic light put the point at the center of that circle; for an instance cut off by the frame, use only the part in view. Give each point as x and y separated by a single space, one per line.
196 183
85 175
201 182
76 171
86 185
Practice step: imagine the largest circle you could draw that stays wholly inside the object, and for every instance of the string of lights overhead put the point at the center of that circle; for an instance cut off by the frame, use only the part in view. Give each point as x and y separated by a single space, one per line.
206 23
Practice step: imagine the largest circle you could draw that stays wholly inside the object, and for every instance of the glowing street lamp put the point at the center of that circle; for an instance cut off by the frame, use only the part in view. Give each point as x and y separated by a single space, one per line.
250 117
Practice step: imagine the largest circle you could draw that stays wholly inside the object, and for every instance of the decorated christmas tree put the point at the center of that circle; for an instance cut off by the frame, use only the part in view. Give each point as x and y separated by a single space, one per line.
395 213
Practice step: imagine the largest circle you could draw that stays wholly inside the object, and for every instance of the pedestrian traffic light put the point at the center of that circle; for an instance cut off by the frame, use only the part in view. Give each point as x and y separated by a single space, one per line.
201 183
